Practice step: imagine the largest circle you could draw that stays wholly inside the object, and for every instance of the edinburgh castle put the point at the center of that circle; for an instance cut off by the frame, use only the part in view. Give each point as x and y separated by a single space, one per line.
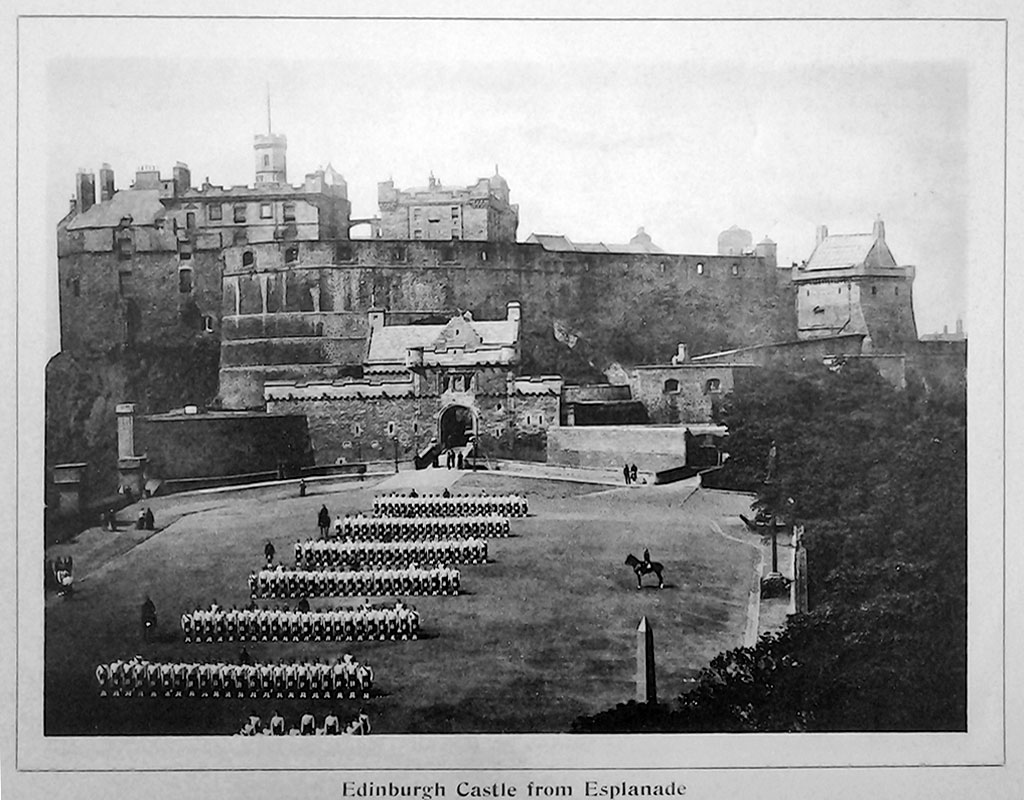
250 304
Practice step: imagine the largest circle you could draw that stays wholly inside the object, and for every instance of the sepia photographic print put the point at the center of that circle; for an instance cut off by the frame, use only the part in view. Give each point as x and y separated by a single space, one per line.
511 402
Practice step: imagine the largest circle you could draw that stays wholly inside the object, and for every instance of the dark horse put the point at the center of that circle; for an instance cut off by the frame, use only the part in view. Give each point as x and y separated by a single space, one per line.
641 569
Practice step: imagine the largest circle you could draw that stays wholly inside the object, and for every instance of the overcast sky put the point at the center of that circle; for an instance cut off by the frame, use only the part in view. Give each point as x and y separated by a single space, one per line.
684 128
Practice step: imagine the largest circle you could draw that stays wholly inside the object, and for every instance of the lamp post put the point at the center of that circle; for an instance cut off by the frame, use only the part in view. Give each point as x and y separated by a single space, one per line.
395 440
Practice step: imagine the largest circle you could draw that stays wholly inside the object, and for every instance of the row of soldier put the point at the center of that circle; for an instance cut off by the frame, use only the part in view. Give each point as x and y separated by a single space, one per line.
317 553
358 726
138 677
283 624
447 505
420 528
412 580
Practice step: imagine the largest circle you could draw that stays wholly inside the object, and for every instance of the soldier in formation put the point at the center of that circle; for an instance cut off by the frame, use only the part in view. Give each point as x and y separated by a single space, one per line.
398 621
138 677
437 505
420 528
318 554
439 579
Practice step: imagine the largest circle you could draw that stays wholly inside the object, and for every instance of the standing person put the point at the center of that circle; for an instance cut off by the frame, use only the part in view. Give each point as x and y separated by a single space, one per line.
632 474
148 618
302 487
323 521
150 519
269 552
458 461
625 473
140 523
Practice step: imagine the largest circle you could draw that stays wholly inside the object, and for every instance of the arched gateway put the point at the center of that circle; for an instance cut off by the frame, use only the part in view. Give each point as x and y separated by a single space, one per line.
455 426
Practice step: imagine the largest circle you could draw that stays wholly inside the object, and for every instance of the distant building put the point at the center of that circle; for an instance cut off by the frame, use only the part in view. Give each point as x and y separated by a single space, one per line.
640 243
852 284
144 263
735 242
480 212
957 335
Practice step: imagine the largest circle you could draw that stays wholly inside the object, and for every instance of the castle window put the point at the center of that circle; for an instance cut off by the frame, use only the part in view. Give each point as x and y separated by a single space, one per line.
398 254
713 385
671 385
499 432
266 161
319 329
184 280
239 237
391 429
357 428
289 212
240 213
700 267
185 255
417 234
874 290
207 323
214 211
291 255
76 287
343 253
735 269
540 419
124 284
455 211
808 292
483 255
455 234
190 220
248 259
897 290
266 210
124 248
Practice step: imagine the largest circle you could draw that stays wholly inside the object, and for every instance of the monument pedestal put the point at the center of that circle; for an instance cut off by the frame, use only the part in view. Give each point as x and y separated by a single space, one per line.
131 473
68 480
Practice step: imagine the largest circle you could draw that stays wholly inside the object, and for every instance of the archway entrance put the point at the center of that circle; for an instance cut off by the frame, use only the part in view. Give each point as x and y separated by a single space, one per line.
455 427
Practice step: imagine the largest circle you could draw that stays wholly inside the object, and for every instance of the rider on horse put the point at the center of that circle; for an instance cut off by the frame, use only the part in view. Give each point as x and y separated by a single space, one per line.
647 558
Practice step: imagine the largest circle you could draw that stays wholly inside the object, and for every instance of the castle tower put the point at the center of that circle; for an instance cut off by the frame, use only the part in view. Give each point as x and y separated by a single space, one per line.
271 162
852 284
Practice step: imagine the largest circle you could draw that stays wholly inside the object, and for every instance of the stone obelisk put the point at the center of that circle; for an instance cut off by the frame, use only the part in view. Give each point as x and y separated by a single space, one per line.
646 691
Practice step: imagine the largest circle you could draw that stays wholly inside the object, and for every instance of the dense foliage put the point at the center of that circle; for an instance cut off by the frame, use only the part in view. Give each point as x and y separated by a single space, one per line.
878 477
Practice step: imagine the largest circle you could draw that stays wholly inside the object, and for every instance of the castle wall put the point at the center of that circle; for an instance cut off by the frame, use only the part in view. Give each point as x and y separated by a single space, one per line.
217 445
108 302
889 313
693 397
651 448
630 307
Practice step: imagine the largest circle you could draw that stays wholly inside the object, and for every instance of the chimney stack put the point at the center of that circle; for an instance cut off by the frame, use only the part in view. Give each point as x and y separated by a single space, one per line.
182 178
681 355
821 235
106 182
85 190
879 229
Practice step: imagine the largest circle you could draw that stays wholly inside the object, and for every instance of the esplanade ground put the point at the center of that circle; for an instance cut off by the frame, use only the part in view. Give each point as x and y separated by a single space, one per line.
541 634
